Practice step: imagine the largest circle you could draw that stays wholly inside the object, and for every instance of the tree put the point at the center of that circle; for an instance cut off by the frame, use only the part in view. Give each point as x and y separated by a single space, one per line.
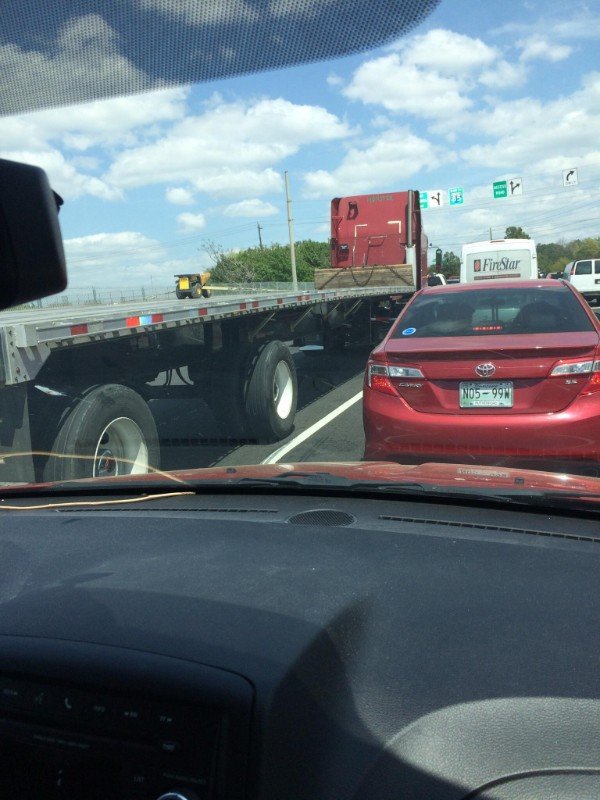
228 267
266 264
514 232
552 257
587 248
450 264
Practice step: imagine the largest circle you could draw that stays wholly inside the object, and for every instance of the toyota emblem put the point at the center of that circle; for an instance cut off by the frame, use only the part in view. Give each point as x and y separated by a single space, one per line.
485 370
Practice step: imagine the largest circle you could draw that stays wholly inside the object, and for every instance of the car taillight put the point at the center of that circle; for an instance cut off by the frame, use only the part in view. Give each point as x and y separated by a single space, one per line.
574 368
588 367
378 376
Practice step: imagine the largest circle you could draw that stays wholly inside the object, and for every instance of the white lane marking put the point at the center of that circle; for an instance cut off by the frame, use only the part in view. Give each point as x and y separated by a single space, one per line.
274 457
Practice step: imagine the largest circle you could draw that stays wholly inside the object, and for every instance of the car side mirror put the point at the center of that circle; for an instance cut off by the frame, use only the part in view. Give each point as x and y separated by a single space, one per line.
32 259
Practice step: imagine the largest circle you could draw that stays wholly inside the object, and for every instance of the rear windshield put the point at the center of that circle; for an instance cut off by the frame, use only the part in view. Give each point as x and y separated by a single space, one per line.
490 312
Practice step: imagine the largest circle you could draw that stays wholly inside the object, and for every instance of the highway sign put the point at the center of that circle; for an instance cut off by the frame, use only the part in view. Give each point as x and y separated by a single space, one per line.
569 177
423 200
500 189
515 186
456 196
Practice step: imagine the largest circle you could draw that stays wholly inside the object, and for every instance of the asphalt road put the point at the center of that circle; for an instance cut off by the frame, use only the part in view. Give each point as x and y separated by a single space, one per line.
328 420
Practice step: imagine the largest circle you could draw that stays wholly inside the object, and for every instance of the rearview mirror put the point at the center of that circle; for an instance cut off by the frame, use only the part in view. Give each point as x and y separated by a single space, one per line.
32 260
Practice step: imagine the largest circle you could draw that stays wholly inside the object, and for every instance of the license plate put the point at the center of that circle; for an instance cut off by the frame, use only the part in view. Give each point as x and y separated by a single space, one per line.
184 283
486 394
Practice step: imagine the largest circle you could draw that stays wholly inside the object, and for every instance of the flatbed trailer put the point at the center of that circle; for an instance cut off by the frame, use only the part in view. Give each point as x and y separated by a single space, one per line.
75 382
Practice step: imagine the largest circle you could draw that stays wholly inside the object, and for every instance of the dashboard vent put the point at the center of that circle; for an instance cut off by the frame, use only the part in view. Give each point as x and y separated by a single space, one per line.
323 517
496 528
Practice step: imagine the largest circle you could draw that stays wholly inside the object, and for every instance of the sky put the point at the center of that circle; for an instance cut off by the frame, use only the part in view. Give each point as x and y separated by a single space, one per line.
480 92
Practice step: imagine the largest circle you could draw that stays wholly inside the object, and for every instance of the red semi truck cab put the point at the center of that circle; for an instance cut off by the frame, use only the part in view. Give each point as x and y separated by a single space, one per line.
379 230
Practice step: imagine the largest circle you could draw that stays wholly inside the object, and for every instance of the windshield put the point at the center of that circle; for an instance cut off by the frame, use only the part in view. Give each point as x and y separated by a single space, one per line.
491 313
246 234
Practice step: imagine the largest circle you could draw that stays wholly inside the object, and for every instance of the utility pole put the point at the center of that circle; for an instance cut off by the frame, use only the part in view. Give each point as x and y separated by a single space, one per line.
491 237
291 231
259 226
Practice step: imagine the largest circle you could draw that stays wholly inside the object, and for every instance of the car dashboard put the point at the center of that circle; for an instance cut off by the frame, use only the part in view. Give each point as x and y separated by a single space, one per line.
286 646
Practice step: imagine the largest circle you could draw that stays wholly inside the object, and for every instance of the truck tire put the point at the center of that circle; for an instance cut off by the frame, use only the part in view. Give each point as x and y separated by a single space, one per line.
111 431
181 295
206 292
196 290
272 393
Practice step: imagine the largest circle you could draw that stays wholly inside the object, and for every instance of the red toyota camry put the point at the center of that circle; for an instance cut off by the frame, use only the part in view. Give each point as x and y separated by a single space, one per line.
506 373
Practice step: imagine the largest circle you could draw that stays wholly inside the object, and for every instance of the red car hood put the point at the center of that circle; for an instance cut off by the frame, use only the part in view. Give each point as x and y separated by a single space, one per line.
460 476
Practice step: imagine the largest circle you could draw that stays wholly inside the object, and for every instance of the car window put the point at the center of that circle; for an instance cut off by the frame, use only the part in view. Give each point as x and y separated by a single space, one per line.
597 266
491 313
583 268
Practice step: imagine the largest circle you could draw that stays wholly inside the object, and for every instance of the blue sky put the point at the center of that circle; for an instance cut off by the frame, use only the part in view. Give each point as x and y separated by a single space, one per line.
481 91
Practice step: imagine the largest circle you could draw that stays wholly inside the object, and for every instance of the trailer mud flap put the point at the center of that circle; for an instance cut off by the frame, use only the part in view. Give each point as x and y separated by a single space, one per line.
16 461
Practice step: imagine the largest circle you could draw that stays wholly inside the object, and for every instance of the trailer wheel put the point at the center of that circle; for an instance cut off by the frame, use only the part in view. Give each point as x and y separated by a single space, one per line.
272 393
111 431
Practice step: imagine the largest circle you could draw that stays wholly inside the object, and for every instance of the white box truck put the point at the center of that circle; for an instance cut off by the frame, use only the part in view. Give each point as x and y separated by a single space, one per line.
498 258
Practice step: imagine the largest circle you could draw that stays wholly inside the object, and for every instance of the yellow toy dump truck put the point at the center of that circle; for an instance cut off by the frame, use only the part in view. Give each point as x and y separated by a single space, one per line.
192 285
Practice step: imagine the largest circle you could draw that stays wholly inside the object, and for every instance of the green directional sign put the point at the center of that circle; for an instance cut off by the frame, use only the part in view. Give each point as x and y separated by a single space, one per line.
500 189
423 199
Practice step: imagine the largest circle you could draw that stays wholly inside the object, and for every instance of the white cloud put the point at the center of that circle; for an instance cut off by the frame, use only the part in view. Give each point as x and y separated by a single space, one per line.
291 8
251 208
179 196
535 47
63 176
394 156
334 80
90 259
115 121
502 75
45 137
194 13
527 130
85 62
431 75
189 223
226 139
226 182
402 87
446 52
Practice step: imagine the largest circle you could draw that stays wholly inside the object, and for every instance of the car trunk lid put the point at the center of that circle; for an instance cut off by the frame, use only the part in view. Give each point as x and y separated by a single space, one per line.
459 372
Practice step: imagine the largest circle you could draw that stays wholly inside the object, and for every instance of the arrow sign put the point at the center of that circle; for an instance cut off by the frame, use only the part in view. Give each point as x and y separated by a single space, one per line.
435 197
569 177
456 196
515 186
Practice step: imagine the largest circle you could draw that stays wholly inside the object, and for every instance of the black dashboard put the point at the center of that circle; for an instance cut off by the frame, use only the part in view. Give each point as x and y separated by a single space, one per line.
281 647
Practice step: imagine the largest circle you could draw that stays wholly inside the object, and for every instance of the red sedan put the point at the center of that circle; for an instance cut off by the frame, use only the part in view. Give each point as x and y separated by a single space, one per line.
504 373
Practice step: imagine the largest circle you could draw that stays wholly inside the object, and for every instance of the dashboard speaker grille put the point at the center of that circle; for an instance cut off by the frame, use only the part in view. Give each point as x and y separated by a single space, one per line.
323 517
